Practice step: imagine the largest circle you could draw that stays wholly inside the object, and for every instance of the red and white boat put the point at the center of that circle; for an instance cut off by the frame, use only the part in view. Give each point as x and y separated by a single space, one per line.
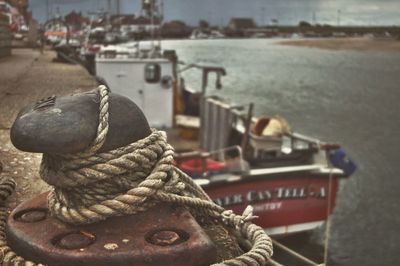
292 186
290 180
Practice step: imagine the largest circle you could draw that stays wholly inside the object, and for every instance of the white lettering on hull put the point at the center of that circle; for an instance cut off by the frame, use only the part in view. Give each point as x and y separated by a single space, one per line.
268 195
270 206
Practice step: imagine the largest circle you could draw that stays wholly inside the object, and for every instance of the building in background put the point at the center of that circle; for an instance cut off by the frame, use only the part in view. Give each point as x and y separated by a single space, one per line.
175 29
238 27
5 8
18 15
240 24
22 8
76 21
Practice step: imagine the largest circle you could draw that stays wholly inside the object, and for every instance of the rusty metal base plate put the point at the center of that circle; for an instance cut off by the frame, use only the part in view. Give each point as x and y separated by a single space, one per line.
163 235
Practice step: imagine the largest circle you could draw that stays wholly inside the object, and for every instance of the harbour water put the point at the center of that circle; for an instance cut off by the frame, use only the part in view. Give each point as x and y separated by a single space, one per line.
348 97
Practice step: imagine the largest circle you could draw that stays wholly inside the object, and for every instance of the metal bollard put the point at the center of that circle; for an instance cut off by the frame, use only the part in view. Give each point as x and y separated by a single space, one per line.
68 124
164 234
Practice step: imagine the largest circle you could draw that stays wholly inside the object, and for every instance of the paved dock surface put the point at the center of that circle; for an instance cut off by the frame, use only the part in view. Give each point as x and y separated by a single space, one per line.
26 77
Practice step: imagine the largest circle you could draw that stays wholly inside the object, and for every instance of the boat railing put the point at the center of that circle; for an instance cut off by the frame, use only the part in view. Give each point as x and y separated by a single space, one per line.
292 253
206 70
220 119
126 53
111 54
311 140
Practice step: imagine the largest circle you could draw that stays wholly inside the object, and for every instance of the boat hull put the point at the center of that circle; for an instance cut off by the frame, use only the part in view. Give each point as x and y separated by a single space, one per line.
283 204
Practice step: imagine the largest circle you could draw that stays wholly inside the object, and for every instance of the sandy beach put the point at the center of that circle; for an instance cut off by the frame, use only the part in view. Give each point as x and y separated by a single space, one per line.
358 44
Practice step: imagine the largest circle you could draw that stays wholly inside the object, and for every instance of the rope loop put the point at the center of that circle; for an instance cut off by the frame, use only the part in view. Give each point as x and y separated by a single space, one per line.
102 128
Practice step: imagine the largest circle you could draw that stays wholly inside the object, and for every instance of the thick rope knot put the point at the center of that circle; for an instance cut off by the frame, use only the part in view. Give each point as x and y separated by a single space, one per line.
69 171
102 128
118 182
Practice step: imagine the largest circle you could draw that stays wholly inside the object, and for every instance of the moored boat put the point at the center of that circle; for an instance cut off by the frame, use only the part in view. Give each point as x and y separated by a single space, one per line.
290 179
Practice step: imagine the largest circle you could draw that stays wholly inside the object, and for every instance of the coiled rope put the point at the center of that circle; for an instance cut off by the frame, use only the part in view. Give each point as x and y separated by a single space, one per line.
7 255
90 187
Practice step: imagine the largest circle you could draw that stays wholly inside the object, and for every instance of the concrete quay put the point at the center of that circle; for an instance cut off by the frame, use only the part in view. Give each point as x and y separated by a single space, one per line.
26 77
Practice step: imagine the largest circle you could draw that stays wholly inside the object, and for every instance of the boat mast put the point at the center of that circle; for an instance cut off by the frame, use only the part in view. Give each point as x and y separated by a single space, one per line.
152 23
152 9
161 19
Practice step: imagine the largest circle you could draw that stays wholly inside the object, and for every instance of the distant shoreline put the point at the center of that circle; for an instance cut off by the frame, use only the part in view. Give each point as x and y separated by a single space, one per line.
358 44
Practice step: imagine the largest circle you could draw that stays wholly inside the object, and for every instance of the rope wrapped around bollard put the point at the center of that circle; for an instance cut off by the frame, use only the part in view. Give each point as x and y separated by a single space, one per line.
89 187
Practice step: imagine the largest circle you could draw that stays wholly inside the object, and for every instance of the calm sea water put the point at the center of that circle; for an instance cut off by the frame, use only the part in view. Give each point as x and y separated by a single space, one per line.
347 97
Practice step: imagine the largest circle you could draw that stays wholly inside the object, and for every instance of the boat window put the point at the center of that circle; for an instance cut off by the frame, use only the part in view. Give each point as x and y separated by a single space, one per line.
152 73
110 54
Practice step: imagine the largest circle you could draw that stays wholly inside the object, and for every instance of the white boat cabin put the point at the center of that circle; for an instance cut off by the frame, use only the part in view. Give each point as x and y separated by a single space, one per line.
144 76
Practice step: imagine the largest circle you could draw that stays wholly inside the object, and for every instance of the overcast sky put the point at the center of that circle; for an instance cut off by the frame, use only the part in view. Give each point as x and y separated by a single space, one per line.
290 12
